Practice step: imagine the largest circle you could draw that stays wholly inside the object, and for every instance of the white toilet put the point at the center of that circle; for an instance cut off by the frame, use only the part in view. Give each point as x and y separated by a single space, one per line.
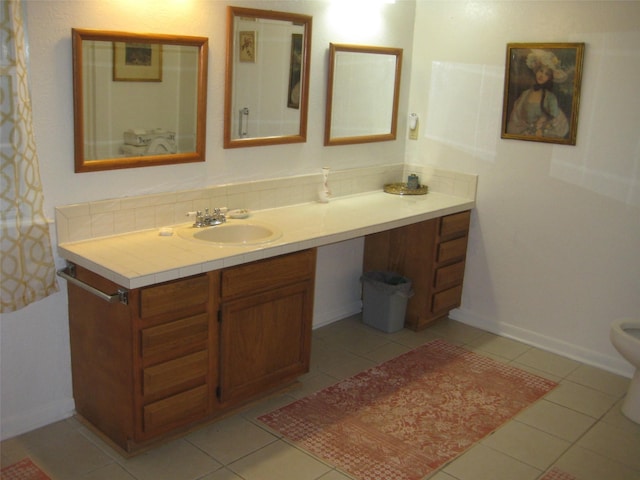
625 336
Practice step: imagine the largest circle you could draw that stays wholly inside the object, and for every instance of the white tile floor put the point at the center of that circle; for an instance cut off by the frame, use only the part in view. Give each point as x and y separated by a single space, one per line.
578 426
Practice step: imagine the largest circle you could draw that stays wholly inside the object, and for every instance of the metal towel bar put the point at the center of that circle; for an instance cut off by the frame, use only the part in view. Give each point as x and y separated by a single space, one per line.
243 123
68 274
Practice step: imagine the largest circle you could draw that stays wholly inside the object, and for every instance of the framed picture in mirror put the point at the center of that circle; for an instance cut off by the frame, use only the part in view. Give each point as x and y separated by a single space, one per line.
266 93
137 62
121 120
295 69
247 46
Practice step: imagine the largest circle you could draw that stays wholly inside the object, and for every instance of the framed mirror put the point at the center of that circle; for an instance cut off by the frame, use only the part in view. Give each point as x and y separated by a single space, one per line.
139 100
267 77
363 91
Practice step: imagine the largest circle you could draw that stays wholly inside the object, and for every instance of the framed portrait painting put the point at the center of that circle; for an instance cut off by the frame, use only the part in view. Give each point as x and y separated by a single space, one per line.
137 62
542 92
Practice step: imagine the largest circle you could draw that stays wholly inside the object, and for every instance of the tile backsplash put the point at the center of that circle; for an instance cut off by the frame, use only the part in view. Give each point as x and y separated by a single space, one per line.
121 215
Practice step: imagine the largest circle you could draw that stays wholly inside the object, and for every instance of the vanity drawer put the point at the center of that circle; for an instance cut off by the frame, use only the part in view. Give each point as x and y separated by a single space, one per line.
449 275
175 296
268 274
173 338
170 376
178 409
447 299
452 249
456 224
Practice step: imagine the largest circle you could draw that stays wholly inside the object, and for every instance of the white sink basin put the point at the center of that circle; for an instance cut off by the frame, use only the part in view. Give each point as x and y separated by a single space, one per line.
232 233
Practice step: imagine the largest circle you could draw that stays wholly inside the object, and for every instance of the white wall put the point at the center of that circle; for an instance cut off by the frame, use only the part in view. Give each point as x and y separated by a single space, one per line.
554 253
35 377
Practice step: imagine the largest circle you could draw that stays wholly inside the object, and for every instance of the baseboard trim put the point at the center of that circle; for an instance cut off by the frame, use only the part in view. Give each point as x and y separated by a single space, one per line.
320 319
50 413
550 344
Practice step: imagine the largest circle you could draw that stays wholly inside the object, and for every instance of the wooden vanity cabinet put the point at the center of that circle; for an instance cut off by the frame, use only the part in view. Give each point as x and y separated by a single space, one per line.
185 351
432 255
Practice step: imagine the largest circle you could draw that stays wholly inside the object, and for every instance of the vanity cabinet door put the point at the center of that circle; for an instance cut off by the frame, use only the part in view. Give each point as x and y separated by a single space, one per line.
265 341
265 331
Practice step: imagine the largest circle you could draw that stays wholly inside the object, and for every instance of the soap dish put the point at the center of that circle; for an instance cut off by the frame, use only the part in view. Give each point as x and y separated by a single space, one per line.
238 213
403 189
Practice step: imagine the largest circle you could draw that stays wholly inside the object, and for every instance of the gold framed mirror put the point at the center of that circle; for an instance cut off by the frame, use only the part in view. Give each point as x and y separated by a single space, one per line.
363 91
139 99
267 77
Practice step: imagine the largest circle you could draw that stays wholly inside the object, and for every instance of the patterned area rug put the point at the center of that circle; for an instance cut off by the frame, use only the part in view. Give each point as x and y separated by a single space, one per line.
405 418
23 470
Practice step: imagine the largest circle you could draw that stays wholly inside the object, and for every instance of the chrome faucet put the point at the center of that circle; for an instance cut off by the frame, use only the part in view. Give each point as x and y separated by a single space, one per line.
208 219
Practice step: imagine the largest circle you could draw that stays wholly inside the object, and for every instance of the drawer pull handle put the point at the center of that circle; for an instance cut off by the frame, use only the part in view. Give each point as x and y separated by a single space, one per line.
69 274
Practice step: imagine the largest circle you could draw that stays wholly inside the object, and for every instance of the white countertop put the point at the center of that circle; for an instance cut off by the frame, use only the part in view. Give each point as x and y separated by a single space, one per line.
143 258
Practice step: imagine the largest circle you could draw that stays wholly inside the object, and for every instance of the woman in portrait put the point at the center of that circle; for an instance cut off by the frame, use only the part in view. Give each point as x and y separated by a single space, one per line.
536 112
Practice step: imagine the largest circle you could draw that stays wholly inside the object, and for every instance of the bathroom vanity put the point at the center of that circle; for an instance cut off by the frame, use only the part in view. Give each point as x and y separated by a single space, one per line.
194 330
180 352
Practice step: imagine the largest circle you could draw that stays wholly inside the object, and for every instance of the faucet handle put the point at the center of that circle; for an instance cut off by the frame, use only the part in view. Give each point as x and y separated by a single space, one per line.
199 222
219 215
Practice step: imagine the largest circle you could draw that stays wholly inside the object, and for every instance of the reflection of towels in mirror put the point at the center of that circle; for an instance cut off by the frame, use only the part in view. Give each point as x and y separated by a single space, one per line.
140 141
137 136
133 150
162 146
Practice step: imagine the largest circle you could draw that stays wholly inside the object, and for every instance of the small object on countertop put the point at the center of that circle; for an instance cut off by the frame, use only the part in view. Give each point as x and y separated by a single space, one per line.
238 213
165 231
402 189
413 182
324 193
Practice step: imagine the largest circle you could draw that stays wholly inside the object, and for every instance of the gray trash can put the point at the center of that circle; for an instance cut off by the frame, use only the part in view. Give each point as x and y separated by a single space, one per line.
384 300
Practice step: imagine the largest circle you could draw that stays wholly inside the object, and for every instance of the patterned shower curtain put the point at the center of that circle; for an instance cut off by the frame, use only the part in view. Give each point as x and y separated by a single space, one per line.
27 266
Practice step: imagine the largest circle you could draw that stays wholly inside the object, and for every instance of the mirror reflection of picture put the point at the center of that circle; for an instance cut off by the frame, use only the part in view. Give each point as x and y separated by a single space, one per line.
137 54
265 86
137 62
295 71
104 109
248 46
